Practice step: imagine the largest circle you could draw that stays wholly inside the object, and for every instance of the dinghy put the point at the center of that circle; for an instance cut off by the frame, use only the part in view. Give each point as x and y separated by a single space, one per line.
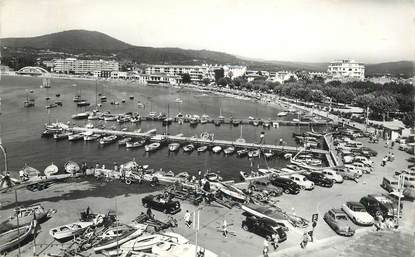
51 170
72 167
15 236
69 230
118 235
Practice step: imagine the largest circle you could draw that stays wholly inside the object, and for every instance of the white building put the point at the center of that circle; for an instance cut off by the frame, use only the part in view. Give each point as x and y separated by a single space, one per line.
282 76
234 71
197 73
346 70
75 66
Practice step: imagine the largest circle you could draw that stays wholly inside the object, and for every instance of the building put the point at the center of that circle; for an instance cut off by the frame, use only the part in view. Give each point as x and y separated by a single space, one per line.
282 76
346 70
197 73
234 71
75 66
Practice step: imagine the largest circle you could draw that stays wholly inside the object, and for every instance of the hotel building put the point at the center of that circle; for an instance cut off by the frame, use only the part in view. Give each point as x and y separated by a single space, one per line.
346 70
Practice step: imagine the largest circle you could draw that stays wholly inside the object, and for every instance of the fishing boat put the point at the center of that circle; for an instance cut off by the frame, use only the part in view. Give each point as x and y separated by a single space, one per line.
135 144
167 121
50 106
202 148
180 116
72 167
236 122
108 140
288 156
152 115
69 230
232 192
152 147
135 119
229 150
118 235
13 237
80 116
193 121
83 103
254 153
94 116
110 118
216 149
140 105
52 169
173 147
242 152
269 154
75 137
29 172
266 124
188 148
282 114
217 123
143 243
248 176
29 103
124 141
170 249
91 137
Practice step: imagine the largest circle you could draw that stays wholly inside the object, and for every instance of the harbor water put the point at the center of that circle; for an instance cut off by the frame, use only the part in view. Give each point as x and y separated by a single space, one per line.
21 127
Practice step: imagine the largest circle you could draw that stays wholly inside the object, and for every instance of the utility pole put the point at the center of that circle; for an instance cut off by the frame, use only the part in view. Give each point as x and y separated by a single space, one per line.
196 220
400 190
5 156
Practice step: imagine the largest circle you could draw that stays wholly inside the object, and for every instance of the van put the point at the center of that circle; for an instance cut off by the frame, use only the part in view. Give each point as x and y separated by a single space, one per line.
389 184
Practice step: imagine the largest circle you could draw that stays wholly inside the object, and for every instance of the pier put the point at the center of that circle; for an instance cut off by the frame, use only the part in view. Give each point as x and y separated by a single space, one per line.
193 140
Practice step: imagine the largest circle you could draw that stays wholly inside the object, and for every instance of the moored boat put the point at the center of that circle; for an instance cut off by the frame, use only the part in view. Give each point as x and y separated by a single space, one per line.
108 140
51 170
124 141
75 137
72 167
135 144
216 149
202 148
118 235
254 153
80 116
152 147
229 150
13 237
188 148
242 152
61 136
69 230
173 147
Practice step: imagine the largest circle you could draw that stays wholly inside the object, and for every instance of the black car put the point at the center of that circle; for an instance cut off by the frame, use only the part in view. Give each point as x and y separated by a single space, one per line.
319 179
289 186
380 205
264 227
160 203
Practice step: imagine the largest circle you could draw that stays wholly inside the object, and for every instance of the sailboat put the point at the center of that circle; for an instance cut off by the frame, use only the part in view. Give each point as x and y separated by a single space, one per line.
240 139
29 102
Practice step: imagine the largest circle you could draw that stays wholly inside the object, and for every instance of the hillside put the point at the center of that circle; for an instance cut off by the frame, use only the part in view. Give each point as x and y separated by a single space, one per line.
396 68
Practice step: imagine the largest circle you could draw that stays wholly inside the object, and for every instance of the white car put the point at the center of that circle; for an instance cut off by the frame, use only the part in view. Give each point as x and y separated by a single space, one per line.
353 169
357 213
332 174
363 160
302 181
362 167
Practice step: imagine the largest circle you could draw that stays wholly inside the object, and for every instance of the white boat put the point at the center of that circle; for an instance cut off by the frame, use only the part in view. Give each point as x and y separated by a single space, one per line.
69 230
110 118
202 148
213 177
72 167
288 156
188 148
135 144
93 116
232 192
75 137
282 114
247 176
174 147
253 153
13 237
143 243
107 140
216 149
118 235
80 116
90 136
152 147
124 141
26 216
229 150
170 249
51 170
178 100
269 154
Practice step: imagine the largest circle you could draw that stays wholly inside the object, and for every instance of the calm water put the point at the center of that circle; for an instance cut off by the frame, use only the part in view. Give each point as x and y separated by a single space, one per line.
21 127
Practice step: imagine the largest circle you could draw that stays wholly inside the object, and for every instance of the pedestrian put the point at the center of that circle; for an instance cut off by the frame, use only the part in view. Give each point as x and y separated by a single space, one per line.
266 248
150 214
392 157
187 219
306 238
275 240
311 232
225 228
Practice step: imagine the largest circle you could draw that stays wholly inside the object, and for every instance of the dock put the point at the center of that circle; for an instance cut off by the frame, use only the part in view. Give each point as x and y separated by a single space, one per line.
193 140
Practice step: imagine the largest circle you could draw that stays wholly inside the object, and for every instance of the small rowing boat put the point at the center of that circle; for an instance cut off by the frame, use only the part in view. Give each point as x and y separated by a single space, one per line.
69 230
51 170
15 236
72 167
188 148
229 150
173 147
202 148
152 147
216 149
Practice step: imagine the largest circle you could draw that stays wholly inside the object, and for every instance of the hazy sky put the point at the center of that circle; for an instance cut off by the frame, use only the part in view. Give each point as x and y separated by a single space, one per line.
291 30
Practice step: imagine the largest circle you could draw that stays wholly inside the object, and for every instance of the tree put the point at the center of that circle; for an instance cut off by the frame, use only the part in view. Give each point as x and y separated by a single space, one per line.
186 78
219 73
206 81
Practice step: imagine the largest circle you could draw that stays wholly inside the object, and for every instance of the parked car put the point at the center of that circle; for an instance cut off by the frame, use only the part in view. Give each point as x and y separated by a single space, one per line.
319 179
302 181
338 221
353 169
160 203
264 227
357 213
365 169
332 174
346 173
265 186
389 184
289 186
364 160
368 152
380 205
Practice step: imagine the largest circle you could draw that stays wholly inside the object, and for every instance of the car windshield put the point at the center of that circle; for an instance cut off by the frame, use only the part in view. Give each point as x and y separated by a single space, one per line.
359 208
341 217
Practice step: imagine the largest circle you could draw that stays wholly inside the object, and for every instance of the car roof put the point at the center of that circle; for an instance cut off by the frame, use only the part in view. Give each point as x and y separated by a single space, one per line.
353 203
337 211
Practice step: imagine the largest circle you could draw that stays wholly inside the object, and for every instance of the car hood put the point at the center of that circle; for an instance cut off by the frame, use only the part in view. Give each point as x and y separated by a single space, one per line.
363 216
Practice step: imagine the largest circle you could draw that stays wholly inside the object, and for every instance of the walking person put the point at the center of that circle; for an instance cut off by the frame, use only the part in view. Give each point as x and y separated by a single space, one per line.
266 248
275 240
225 228
306 238
311 232
187 219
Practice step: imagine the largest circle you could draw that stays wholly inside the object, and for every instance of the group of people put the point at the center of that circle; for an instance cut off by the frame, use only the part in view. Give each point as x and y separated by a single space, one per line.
389 157
384 224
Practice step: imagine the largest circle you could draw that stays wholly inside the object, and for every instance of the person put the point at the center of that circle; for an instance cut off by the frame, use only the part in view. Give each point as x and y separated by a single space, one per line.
150 213
384 160
392 157
389 224
306 238
266 248
22 175
275 240
187 219
311 232
201 252
225 228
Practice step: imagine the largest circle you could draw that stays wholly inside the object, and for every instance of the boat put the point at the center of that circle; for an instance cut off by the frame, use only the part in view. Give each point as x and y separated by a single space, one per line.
180 116
202 148
83 103
188 148
282 114
178 100
123 100
216 149
173 147
236 122
13 237
94 116
131 97
135 119
255 122
77 98
75 137
288 156
118 235
167 121
232 192
91 137
26 216
254 153
217 123
229 150
72 167
152 115
62 135
242 152
170 249
135 144
80 116
108 140
69 230
124 141
143 243
29 172
247 176
110 118
140 105
152 147
194 121
213 177
51 170
266 124
50 106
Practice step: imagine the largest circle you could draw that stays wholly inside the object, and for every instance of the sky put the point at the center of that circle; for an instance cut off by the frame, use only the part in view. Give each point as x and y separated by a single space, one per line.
368 31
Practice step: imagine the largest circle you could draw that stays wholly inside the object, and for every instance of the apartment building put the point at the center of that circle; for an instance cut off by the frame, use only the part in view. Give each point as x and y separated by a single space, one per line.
346 70
197 73
75 66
